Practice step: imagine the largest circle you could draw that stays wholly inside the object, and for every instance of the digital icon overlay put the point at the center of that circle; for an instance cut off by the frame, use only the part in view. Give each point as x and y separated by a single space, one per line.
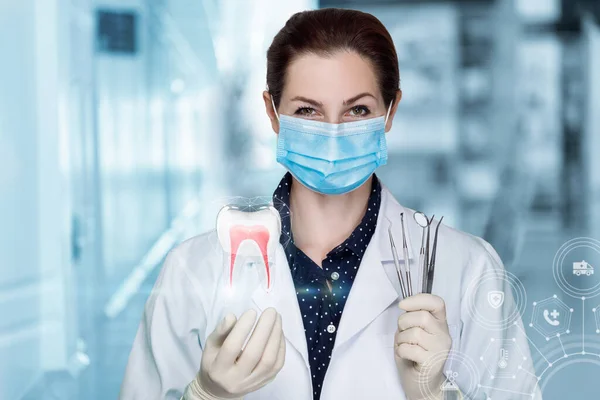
551 317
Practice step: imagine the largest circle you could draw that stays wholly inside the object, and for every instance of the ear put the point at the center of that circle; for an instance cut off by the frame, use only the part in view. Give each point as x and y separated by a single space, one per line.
397 100
271 111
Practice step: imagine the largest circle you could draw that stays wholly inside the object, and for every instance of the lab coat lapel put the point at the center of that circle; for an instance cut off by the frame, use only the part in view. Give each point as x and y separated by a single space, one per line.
375 286
283 298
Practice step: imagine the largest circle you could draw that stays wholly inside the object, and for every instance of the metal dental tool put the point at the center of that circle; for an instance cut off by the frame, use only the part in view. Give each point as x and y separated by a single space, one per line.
405 255
423 222
431 267
427 252
426 267
426 257
396 261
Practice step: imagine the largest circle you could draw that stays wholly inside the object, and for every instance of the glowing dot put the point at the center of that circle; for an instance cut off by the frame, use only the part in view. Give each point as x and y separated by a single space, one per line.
566 356
492 376
582 297
571 310
530 325
558 335
593 310
597 330
568 331
583 353
554 296
547 339
481 358
535 303
492 339
550 364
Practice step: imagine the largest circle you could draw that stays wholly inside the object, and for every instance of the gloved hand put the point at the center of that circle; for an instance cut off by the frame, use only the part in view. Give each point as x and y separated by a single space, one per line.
421 346
226 372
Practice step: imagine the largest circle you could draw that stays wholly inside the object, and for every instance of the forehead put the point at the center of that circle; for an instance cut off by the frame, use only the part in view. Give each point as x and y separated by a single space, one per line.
334 77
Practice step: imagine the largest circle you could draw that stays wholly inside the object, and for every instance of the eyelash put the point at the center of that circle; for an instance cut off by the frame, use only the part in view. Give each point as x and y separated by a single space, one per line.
364 109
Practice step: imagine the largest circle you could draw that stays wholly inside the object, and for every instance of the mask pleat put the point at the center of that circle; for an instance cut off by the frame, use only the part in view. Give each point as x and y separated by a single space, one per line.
331 158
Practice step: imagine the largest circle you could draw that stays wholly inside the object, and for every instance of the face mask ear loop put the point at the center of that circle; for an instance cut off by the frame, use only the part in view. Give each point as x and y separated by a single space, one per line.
274 109
388 113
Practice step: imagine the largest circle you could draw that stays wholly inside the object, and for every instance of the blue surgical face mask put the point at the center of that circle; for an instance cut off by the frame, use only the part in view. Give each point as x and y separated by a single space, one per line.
331 158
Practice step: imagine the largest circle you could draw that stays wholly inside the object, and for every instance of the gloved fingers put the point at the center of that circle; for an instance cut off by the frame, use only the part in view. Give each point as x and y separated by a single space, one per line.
421 319
263 381
230 350
416 336
215 340
268 358
218 336
258 344
427 302
278 365
412 352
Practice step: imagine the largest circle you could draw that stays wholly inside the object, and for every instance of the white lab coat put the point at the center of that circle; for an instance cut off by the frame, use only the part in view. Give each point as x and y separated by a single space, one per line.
167 350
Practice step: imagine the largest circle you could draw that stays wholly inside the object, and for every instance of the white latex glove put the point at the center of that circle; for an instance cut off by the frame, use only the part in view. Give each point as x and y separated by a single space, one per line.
227 372
421 346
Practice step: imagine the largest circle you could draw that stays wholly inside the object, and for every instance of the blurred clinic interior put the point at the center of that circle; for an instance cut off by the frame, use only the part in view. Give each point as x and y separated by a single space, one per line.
122 122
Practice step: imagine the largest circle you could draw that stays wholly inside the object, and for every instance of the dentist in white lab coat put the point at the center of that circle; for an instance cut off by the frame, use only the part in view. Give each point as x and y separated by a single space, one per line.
333 91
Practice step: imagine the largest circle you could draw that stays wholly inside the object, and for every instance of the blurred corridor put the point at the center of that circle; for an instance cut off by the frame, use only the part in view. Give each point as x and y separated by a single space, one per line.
122 124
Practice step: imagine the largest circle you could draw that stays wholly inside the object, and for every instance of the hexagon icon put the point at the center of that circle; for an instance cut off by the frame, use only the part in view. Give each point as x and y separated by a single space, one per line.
551 317
503 358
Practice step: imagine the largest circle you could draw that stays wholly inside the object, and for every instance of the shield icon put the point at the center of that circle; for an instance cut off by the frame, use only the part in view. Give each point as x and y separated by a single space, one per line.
496 298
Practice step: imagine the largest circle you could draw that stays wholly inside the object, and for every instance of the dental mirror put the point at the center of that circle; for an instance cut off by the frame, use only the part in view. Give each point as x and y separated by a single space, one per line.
421 219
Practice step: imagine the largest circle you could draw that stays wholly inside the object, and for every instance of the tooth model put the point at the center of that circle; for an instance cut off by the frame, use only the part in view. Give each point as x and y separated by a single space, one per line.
261 226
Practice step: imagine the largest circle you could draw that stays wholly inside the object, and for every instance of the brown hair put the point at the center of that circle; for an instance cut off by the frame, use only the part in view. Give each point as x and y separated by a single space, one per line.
327 31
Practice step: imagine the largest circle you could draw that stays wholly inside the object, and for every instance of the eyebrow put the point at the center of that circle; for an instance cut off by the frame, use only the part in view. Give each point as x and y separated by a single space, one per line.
309 101
346 102
358 96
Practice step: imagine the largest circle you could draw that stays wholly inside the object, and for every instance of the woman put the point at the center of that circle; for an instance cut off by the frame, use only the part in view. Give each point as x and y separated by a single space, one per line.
333 328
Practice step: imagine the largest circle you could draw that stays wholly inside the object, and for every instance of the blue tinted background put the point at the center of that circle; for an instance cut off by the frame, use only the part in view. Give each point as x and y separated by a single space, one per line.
122 122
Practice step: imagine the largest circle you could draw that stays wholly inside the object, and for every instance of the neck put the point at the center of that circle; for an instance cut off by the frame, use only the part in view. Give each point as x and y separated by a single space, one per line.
321 222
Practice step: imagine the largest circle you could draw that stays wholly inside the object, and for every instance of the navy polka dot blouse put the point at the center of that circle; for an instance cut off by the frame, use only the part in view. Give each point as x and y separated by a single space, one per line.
321 308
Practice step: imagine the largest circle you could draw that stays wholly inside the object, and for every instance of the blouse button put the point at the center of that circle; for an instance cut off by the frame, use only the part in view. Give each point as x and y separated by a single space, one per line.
331 328
335 276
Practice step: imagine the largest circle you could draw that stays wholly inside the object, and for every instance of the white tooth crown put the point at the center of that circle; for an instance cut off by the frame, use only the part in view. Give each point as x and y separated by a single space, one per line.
249 234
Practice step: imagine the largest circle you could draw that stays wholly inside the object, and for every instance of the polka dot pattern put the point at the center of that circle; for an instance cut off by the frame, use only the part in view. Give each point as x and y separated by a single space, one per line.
322 308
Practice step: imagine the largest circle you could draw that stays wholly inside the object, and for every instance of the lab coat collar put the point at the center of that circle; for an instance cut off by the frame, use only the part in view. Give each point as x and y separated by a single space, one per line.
374 289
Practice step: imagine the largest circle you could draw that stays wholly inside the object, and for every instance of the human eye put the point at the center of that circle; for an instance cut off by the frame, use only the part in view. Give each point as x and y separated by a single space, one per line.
359 111
305 111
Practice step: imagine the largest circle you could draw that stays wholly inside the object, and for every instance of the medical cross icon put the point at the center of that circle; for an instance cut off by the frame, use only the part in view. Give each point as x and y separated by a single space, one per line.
546 314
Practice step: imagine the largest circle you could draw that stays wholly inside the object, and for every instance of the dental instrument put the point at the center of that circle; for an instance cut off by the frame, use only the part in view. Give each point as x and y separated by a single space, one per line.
431 267
423 222
405 255
396 261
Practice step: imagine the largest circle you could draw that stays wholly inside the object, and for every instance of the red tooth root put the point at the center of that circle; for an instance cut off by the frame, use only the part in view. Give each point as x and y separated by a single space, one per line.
257 233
